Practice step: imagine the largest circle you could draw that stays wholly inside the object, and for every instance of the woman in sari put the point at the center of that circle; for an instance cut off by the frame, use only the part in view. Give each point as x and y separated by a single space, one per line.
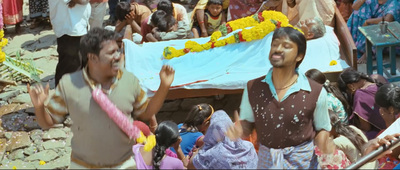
219 152
370 12
359 90
12 13
38 10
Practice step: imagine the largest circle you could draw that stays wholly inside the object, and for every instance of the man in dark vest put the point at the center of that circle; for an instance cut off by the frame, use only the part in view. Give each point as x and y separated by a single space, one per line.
288 111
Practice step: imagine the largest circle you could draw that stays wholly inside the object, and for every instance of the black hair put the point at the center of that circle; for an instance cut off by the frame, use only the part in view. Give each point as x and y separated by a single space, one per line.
388 95
346 131
122 9
166 5
296 36
320 78
92 42
214 2
162 20
166 134
348 76
197 115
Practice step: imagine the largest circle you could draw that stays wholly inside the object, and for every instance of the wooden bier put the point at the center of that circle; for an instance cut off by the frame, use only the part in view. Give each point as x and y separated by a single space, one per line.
348 52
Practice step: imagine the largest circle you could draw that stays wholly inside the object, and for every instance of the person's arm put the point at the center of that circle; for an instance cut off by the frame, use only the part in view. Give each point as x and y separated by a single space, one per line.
179 152
153 124
200 19
38 95
181 33
322 124
130 19
356 5
120 25
151 38
167 77
373 21
223 19
376 143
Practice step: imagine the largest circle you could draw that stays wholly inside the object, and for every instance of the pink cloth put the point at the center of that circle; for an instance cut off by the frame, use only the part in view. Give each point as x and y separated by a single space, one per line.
1 17
12 11
115 114
166 163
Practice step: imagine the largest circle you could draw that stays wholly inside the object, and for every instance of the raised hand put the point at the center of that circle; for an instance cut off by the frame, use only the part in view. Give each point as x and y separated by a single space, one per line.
38 94
130 17
167 74
235 131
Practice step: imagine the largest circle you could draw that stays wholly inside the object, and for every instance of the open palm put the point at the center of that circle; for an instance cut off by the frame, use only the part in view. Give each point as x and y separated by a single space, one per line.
38 94
167 74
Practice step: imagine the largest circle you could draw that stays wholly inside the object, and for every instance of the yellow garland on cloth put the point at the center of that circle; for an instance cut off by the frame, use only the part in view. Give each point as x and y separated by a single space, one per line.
262 24
3 42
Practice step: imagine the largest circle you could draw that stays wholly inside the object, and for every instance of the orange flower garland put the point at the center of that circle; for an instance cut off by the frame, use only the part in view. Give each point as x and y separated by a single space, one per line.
262 24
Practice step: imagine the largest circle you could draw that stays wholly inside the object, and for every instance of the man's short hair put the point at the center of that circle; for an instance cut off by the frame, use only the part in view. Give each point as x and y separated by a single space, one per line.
162 20
92 42
121 10
318 29
296 36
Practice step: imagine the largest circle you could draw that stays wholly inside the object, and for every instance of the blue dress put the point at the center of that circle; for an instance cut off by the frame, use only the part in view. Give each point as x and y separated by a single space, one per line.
189 140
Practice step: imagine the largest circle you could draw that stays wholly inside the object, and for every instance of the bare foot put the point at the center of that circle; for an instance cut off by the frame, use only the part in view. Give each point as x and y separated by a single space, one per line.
362 59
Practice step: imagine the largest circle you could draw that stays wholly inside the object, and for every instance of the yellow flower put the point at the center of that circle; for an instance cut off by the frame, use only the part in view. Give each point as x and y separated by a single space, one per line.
2 33
14 167
3 42
3 58
141 138
215 36
42 162
333 62
150 143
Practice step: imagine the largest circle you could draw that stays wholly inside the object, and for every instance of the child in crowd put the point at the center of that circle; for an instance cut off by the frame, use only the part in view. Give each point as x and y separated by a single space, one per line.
167 135
167 28
195 125
213 18
336 101
132 14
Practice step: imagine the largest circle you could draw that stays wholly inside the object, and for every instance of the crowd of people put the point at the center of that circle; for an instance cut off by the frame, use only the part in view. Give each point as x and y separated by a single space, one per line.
287 119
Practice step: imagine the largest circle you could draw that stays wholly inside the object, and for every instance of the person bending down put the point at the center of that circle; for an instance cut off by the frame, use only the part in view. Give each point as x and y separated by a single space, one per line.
167 28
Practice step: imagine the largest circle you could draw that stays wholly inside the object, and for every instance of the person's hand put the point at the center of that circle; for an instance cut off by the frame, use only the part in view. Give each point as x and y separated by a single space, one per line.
235 131
302 25
38 94
366 23
167 74
376 143
204 34
177 144
130 17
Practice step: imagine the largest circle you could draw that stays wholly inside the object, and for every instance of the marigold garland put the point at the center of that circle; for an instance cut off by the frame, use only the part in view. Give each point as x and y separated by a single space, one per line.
262 24
3 42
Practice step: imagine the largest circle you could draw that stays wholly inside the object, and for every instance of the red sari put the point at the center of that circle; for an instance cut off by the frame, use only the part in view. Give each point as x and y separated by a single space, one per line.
12 11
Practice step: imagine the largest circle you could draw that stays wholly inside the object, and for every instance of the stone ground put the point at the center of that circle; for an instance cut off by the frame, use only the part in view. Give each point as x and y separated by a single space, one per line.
22 143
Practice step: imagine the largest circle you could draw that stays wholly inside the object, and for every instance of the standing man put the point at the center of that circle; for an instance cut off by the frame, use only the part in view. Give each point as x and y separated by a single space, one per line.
70 20
288 111
99 8
98 142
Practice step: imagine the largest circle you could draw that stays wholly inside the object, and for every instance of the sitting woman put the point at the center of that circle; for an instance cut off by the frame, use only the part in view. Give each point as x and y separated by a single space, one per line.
370 12
336 101
219 152
350 140
388 98
167 135
359 90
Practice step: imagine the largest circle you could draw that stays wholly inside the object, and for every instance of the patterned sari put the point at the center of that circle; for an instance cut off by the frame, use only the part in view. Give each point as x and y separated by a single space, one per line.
370 9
